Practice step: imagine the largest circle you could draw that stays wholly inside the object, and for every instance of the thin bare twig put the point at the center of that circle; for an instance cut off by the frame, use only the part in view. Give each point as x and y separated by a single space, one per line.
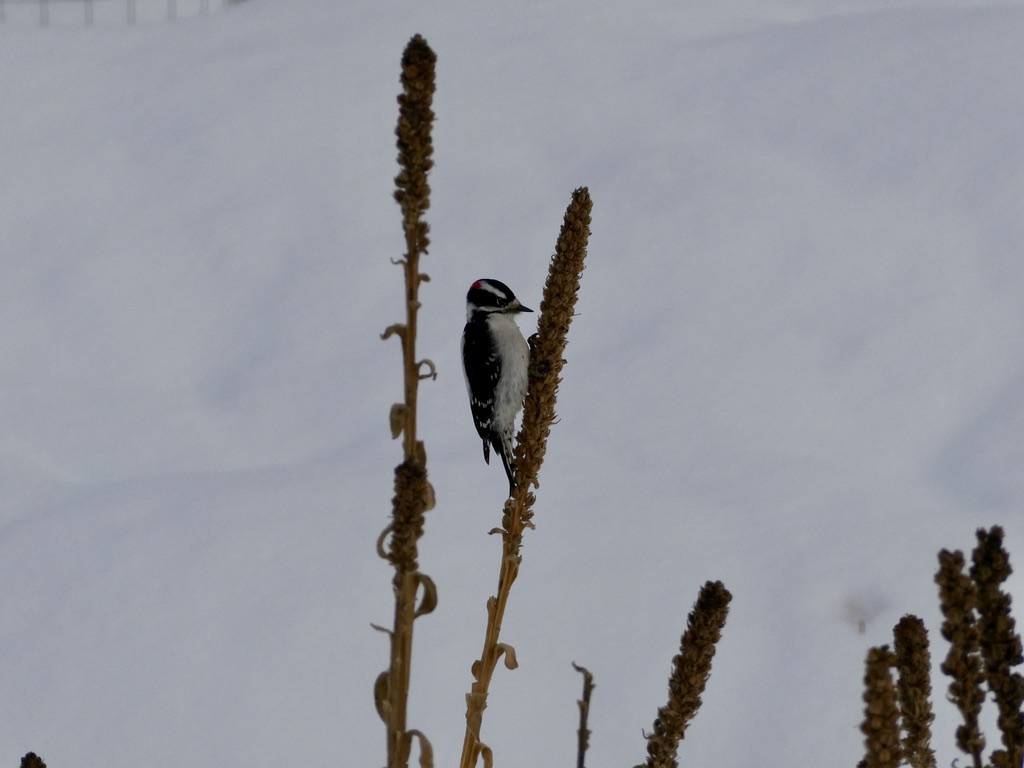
583 734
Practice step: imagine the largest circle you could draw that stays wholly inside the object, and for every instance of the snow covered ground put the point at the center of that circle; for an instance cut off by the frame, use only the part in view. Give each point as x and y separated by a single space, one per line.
798 367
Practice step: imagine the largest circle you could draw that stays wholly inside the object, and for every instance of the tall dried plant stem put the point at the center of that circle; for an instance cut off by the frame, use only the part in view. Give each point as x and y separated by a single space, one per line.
547 347
691 669
958 600
413 494
1000 644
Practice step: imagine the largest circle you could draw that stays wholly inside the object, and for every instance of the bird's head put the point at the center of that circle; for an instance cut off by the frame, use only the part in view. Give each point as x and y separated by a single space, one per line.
489 296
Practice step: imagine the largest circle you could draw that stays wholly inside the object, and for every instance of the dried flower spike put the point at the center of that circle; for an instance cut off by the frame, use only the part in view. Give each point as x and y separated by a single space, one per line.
881 727
913 689
557 309
691 669
957 598
999 643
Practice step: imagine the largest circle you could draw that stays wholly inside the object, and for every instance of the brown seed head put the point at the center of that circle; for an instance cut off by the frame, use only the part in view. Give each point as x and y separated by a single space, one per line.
691 669
881 727
913 690
557 309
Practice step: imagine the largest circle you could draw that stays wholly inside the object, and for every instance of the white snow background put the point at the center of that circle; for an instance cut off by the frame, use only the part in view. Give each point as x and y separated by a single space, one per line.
797 367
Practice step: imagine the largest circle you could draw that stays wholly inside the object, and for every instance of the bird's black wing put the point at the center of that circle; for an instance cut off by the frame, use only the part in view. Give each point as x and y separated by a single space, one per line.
482 377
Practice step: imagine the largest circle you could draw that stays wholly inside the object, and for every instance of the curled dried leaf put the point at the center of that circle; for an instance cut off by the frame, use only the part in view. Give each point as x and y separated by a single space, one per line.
397 417
429 601
381 539
426 750
397 329
429 499
506 650
485 752
429 365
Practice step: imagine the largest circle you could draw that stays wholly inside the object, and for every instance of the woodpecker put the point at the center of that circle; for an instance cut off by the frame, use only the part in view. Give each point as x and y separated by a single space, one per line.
495 358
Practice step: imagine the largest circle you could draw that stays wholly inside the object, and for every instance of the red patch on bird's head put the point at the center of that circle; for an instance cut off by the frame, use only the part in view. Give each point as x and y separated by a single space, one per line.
475 285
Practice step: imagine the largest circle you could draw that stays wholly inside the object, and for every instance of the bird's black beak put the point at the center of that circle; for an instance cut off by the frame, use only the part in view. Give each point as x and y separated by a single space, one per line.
521 308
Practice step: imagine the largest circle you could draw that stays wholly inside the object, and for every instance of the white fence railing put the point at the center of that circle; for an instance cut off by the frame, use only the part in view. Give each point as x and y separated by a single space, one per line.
89 12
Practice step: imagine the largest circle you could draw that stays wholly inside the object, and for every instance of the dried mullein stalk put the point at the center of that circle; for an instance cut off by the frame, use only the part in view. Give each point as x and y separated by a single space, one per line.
414 495
32 760
881 727
958 599
557 309
913 688
691 669
415 159
415 145
1000 645
547 347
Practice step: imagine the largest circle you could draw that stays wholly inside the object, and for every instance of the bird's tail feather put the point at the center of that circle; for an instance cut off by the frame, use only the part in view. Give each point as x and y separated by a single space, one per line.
503 452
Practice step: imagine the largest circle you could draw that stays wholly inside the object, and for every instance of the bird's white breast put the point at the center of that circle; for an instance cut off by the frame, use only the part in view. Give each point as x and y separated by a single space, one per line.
515 352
